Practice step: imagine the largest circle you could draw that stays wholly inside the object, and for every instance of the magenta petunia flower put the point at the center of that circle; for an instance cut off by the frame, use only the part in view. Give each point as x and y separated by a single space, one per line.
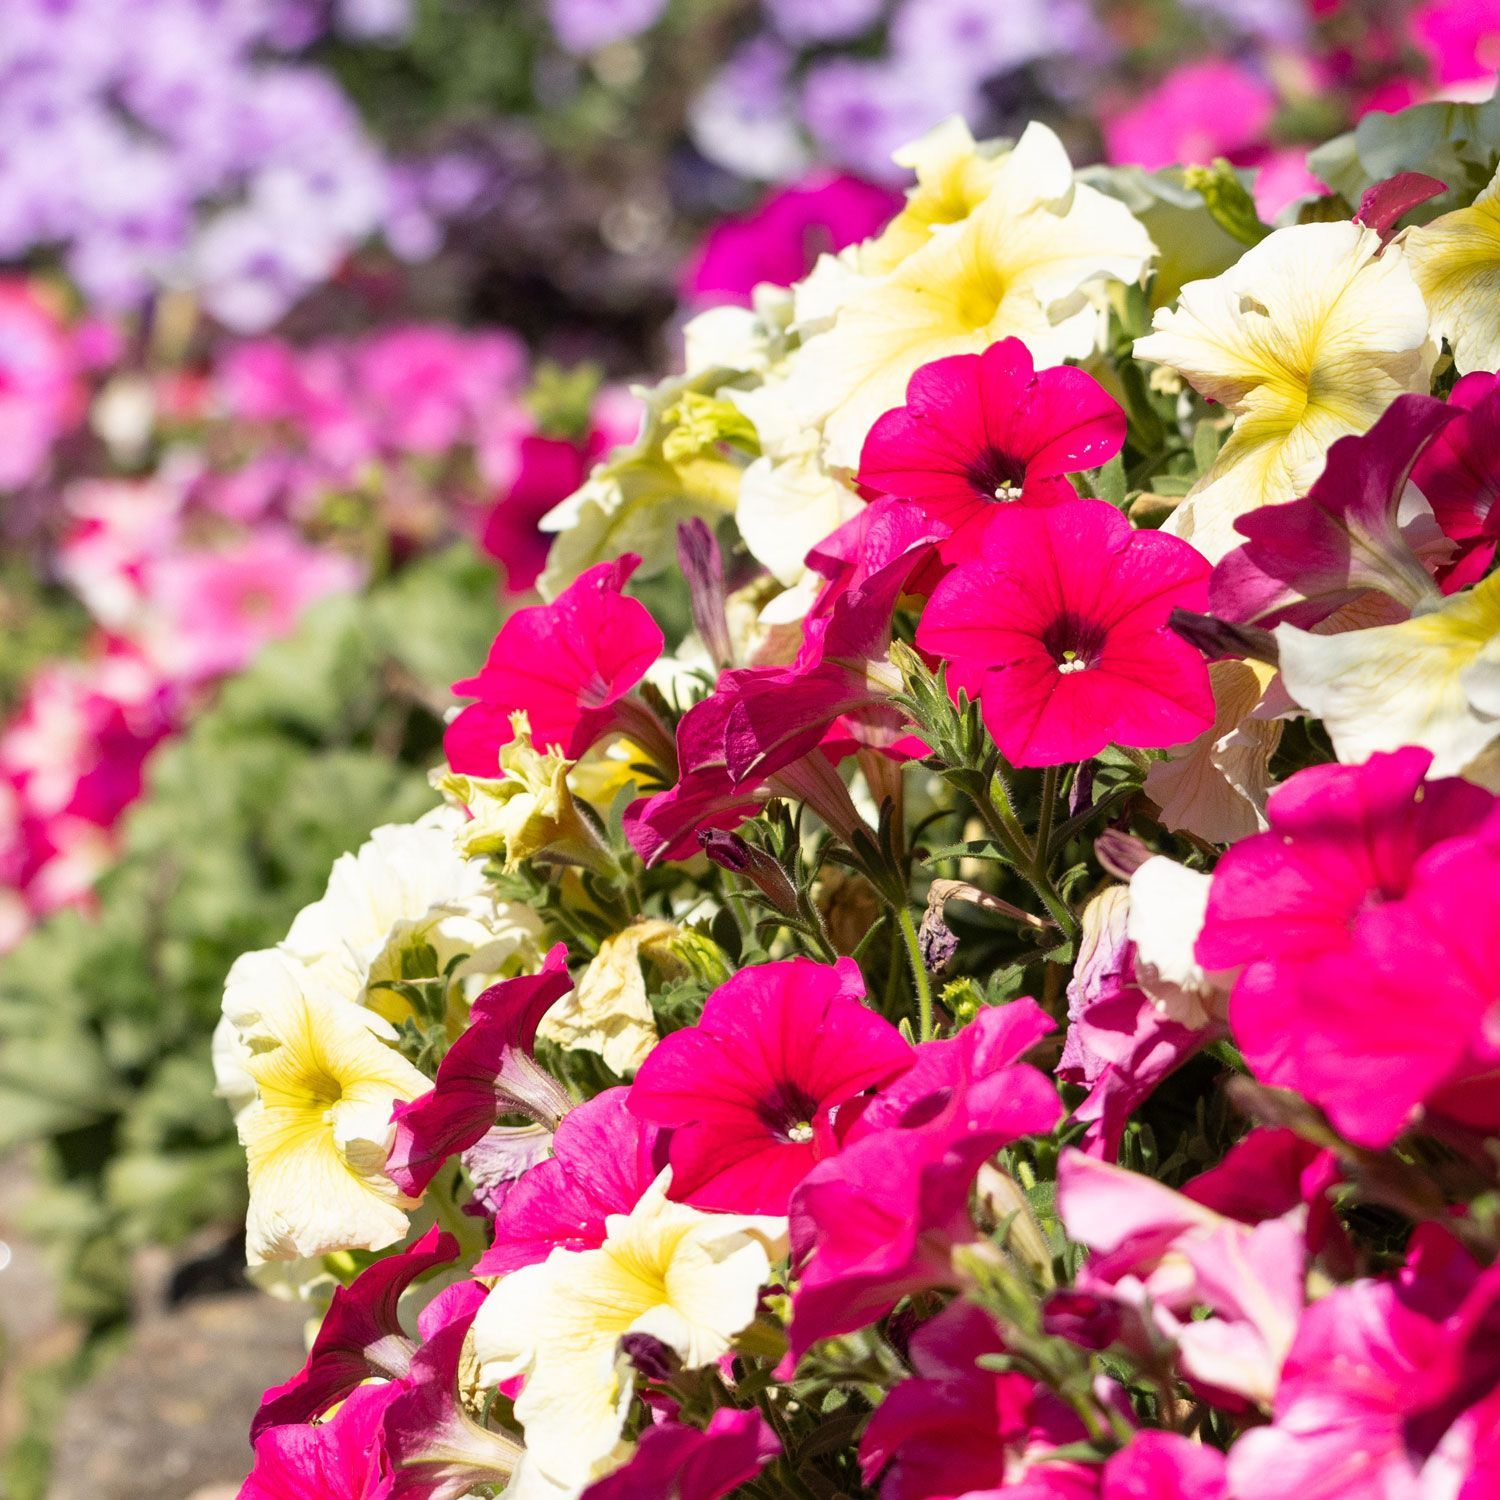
880 1220
360 1338
566 665
752 1089
1459 474
603 1160
488 1072
690 1463
1389 1388
340 1459
981 429
1059 627
1351 903
958 1428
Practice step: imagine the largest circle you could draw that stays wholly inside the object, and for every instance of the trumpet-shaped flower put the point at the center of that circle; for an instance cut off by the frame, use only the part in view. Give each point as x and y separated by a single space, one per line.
1020 264
317 1134
1456 262
407 890
1307 338
360 1338
603 1160
488 1072
1432 681
1059 627
609 1012
340 1459
1352 534
981 429
565 665
753 1088
691 1280
1459 475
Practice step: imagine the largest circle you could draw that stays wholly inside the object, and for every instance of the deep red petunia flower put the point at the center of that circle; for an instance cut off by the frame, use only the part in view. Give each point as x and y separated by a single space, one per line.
1059 628
566 665
1460 477
980 429
752 1088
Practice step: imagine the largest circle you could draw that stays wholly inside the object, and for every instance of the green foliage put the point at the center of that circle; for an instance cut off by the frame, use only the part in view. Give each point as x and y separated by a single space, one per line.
105 1019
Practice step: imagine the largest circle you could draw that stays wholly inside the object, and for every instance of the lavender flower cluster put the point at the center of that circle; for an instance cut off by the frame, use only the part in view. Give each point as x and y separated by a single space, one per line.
190 143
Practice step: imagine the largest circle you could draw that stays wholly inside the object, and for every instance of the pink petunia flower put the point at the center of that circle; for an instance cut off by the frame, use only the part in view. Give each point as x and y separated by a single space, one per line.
1459 474
340 1459
1386 1389
566 665
488 1072
1339 913
688 1463
882 1218
41 395
957 1428
548 470
1349 537
752 1090
604 1157
978 430
1199 111
1164 1466
1059 627
780 241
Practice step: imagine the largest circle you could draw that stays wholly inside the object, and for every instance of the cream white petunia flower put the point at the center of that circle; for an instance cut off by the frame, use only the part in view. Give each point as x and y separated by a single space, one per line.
1168 904
1306 339
1456 262
1020 264
688 1278
1433 680
1216 785
607 1011
787 506
408 888
318 1131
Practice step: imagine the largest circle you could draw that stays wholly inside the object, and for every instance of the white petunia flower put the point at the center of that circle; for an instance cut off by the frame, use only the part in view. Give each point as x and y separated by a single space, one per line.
1456 262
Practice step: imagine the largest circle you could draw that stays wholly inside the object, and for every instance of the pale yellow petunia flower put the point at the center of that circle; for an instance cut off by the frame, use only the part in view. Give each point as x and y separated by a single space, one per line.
1456 261
1306 339
1433 680
1022 263
689 1279
318 1131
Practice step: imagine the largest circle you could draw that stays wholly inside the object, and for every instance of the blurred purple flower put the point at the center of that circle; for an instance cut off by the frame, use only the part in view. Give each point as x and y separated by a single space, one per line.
586 25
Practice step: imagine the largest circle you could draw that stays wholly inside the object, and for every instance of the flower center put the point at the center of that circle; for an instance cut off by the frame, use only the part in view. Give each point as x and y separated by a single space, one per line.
801 1132
996 475
1074 644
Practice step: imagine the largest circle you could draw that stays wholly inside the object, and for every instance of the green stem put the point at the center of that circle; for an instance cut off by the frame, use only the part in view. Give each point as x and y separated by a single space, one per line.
1044 822
1026 861
919 974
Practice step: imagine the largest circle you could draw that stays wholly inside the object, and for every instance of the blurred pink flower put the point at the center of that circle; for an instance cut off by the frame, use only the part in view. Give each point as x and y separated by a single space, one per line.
41 395
217 608
780 241
1199 111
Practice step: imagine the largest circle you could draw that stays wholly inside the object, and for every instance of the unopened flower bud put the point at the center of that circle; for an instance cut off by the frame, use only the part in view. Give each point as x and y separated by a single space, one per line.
731 852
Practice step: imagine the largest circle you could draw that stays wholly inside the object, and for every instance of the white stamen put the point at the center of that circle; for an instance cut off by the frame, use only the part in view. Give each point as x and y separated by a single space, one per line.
1007 492
801 1131
1077 665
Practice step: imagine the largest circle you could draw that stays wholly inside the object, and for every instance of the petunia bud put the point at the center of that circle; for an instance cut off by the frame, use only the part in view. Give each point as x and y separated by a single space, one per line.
731 852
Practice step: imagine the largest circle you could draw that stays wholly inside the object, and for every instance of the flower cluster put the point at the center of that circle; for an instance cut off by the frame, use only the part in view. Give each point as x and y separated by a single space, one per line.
180 143
989 986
